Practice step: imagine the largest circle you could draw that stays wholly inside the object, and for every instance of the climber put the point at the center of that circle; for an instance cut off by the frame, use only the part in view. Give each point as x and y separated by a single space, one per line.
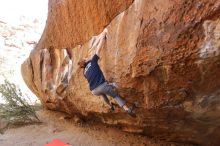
97 83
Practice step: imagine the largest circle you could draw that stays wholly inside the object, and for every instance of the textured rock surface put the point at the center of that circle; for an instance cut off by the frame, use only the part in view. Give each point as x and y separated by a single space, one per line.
163 54
93 15
17 38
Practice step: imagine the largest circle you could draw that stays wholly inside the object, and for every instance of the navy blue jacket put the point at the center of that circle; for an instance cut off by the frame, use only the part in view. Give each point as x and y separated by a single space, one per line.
93 73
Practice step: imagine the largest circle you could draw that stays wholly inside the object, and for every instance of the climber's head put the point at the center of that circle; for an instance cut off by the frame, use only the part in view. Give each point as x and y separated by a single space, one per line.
82 63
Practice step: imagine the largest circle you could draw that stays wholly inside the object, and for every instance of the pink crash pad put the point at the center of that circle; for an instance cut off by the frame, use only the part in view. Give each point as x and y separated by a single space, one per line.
56 142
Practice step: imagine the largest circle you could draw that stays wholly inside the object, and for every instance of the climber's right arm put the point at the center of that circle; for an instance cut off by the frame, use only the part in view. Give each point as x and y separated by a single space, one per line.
100 44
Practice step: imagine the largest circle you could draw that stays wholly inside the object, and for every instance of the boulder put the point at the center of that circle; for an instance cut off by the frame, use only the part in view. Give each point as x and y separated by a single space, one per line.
163 54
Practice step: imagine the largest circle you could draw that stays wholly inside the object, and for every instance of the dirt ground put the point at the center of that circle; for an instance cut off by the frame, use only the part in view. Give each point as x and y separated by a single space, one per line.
55 126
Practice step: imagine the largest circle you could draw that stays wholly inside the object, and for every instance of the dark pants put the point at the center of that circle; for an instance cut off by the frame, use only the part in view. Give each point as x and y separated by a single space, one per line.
108 89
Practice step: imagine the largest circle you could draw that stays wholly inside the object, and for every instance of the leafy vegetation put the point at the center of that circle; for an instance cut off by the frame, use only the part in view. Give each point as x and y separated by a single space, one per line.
16 110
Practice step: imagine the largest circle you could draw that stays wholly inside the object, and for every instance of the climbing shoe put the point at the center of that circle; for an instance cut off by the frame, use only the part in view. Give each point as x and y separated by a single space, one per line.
131 108
131 112
112 106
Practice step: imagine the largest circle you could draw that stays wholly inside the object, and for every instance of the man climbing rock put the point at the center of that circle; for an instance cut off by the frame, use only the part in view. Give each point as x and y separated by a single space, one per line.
97 82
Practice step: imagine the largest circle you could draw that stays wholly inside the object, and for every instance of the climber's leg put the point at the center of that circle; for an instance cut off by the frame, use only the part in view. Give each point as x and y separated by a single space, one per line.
98 92
105 98
108 89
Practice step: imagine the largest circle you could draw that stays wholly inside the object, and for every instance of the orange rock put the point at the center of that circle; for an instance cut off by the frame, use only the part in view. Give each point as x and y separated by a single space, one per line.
73 22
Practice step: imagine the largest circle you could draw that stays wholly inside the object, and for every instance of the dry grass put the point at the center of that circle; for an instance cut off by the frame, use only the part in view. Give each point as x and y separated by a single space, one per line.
16 110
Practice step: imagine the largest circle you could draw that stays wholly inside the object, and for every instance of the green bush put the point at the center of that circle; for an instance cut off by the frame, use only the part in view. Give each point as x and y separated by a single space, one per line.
16 109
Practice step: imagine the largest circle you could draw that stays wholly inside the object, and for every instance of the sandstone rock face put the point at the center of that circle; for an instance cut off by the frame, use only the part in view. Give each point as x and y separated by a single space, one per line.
163 54
93 16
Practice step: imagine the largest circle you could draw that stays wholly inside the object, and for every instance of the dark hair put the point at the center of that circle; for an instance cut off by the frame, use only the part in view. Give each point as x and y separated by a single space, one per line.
82 63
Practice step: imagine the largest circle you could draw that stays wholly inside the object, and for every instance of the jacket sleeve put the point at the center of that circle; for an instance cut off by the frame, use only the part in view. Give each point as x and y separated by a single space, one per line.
95 58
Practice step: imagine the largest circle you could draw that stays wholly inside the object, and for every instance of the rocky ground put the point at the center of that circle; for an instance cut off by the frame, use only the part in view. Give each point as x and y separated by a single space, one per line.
16 42
73 132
